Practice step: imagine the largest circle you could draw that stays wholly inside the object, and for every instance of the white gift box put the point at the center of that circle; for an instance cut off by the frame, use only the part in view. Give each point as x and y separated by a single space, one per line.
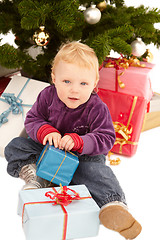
47 221
155 103
15 125
152 118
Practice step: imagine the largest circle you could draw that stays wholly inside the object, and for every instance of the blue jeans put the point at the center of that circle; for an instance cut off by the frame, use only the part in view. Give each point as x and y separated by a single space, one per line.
92 170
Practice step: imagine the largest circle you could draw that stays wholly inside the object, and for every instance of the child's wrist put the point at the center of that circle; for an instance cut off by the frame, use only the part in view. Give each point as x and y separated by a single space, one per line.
78 142
45 130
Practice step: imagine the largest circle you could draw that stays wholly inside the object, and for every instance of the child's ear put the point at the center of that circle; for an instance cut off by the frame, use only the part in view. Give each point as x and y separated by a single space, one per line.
53 77
96 82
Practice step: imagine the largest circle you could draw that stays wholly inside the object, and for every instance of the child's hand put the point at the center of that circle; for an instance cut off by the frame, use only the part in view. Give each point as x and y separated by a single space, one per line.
53 139
66 143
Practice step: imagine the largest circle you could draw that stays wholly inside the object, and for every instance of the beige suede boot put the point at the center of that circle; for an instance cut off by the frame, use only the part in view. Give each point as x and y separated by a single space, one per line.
115 216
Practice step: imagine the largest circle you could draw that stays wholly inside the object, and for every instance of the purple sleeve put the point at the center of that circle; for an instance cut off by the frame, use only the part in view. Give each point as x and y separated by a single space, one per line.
101 138
37 115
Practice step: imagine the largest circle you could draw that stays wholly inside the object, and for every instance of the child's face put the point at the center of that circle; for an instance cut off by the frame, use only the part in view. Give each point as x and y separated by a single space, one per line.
73 83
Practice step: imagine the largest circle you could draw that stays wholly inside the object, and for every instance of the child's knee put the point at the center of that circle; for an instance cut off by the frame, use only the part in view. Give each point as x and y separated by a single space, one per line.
11 146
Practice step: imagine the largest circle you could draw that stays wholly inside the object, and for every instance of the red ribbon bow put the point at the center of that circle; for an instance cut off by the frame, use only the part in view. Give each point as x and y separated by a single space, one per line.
63 198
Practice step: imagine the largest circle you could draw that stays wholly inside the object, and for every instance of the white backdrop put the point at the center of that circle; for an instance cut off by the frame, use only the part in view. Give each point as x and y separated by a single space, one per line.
138 175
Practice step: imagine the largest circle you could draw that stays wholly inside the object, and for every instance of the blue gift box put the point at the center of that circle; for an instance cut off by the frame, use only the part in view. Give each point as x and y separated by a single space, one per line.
56 165
43 220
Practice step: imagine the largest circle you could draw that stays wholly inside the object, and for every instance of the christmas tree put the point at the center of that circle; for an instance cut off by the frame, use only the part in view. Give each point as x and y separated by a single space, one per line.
109 25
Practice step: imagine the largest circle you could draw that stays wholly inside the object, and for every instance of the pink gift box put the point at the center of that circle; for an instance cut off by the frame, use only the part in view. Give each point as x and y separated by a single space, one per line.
136 79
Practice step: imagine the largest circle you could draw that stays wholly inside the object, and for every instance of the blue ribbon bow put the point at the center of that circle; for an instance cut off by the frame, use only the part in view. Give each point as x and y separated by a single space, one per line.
16 105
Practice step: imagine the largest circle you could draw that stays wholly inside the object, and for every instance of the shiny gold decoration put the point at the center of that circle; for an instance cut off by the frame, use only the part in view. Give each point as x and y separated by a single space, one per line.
125 131
113 162
122 130
41 37
123 63
149 56
121 84
102 6
122 142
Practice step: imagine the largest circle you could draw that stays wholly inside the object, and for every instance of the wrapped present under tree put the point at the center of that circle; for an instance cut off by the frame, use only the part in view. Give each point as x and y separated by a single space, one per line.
128 76
152 117
16 100
3 83
127 113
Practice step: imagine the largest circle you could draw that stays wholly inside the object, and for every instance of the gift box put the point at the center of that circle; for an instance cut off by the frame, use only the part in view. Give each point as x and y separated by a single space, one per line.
155 103
57 166
46 215
152 117
3 83
127 113
131 80
16 100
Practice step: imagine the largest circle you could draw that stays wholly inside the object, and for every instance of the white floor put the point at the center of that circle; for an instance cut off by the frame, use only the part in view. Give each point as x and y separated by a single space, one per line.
139 177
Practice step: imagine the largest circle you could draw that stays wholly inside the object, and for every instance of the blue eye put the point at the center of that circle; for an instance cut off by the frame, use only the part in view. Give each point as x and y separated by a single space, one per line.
66 81
83 83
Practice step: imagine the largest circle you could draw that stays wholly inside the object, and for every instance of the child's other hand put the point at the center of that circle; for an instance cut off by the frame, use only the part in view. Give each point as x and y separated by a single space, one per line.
53 139
66 143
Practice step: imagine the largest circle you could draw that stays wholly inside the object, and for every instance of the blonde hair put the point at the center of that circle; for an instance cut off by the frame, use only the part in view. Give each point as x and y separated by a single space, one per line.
77 53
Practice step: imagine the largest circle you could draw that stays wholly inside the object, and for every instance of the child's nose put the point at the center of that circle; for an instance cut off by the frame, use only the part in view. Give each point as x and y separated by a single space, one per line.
75 88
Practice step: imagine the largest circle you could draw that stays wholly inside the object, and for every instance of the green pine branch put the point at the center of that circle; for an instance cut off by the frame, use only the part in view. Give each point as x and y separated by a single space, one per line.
33 13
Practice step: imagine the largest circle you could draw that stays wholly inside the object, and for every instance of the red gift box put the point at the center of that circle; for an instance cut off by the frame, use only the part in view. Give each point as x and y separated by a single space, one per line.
120 75
3 83
127 113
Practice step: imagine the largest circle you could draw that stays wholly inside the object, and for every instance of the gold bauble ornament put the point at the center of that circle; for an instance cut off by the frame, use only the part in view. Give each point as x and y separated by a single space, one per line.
41 37
92 15
148 56
102 6
138 47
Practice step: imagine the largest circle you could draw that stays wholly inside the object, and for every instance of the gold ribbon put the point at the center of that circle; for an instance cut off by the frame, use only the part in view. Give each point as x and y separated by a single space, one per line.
117 64
125 131
114 162
47 146
59 167
121 84
134 62
122 142
122 130
123 63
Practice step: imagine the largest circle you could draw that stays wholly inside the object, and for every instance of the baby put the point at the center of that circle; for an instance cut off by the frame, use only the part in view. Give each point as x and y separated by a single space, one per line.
71 116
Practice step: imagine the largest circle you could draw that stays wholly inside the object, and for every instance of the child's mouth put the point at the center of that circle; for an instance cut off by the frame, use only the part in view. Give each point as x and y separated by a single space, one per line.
73 99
